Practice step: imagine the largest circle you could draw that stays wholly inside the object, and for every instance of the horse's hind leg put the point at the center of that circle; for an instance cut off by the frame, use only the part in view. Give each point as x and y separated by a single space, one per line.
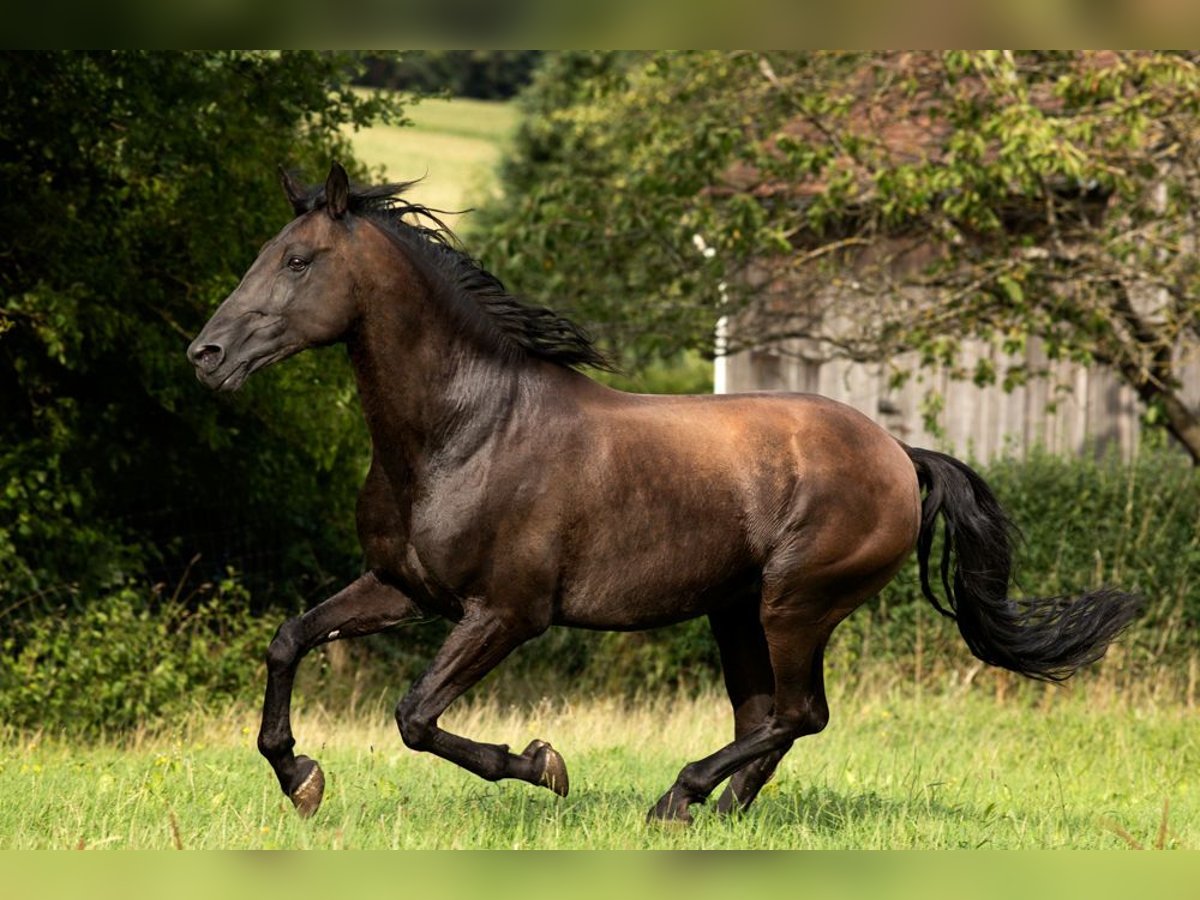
364 607
796 644
746 664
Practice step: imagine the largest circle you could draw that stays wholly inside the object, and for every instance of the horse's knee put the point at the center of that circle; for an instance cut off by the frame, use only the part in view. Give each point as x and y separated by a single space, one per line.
416 728
284 647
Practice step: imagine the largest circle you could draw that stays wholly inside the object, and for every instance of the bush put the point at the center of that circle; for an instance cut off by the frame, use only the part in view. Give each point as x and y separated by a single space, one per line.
1084 523
131 659
135 188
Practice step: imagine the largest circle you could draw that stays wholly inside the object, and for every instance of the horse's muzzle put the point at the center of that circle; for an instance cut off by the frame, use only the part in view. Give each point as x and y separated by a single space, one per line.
209 359
206 357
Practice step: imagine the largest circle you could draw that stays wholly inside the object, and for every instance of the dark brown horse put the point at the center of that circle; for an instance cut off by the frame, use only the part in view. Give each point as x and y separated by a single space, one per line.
508 492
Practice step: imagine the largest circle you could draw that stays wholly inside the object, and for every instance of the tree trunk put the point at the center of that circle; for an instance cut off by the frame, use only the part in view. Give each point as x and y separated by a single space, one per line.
1182 423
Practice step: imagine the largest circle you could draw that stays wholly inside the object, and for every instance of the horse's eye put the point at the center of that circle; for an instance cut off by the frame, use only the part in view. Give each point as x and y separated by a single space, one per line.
297 264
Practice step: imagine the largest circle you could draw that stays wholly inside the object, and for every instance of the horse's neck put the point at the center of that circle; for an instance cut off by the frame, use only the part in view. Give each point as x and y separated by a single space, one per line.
428 393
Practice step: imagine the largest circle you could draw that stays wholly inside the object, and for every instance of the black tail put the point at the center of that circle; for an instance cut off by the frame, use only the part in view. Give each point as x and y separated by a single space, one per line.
1046 637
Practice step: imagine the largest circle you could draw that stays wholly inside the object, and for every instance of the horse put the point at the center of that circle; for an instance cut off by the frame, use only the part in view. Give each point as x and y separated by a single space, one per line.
508 492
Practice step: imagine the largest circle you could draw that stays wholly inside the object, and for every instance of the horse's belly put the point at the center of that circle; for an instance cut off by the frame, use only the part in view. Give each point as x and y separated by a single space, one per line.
631 598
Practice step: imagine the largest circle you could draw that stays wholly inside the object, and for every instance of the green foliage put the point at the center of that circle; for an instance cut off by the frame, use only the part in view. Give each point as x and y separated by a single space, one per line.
688 372
134 190
603 197
1142 528
1083 524
130 660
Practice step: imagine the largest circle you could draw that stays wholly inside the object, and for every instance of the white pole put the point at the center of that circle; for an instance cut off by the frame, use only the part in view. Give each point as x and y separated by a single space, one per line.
720 363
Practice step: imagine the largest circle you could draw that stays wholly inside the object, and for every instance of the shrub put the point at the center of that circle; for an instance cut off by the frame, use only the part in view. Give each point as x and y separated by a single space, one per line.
1083 523
131 658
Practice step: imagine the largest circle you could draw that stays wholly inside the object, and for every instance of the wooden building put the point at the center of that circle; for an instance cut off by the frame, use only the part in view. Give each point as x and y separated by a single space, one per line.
1072 411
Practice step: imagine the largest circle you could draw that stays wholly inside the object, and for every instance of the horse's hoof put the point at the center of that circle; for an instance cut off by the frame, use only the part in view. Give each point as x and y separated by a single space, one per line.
729 804
670 812
553 771
307 797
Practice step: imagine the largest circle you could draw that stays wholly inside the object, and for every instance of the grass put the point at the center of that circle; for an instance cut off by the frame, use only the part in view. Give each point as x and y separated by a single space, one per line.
1076 768
455 145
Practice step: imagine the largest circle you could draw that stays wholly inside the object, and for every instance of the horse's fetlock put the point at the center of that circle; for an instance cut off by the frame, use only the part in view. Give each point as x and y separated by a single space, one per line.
690 785
273 746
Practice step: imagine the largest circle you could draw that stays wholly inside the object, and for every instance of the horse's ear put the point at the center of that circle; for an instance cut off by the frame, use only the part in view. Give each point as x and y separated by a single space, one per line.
294 192
337 191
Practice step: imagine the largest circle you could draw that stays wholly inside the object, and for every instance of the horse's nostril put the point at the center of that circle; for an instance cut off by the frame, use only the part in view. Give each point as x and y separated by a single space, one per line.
208 357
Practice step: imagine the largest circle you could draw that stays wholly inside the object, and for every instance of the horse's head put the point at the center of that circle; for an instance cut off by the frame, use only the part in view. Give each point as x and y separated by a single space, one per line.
295 295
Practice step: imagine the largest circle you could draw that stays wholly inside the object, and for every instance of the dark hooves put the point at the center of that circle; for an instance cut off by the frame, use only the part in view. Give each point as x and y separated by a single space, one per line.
670 812
548 766
729 804
307 796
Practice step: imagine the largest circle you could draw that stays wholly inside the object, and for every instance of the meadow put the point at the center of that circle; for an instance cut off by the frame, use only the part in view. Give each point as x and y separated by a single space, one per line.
452 145
1078 767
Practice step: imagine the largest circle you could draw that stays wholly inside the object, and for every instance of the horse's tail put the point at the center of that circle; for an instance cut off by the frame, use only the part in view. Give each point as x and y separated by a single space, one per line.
1047 638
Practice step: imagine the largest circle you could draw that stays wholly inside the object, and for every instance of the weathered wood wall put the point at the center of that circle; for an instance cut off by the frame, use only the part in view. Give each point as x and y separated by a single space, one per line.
1072 411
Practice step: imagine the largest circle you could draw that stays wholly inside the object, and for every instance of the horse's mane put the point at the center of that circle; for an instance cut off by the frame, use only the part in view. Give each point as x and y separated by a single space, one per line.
483 299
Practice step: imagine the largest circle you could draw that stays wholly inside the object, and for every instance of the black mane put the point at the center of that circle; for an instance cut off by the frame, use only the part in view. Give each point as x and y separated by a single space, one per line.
516 325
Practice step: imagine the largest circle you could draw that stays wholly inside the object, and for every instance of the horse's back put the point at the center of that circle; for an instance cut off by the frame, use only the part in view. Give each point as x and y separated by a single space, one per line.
799 437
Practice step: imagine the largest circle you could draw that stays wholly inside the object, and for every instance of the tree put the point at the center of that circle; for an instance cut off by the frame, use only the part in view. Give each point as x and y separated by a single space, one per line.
604 190
877 203
134 190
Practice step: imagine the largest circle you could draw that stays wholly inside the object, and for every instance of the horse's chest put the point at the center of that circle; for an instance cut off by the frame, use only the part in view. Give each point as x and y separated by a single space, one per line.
443 541
446 545
418 537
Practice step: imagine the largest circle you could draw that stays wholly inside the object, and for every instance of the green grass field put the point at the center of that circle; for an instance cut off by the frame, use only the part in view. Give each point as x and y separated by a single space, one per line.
1075 768
454 145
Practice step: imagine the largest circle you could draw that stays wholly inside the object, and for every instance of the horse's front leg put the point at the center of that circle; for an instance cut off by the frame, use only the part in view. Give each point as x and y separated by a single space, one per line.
364 607
478 643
